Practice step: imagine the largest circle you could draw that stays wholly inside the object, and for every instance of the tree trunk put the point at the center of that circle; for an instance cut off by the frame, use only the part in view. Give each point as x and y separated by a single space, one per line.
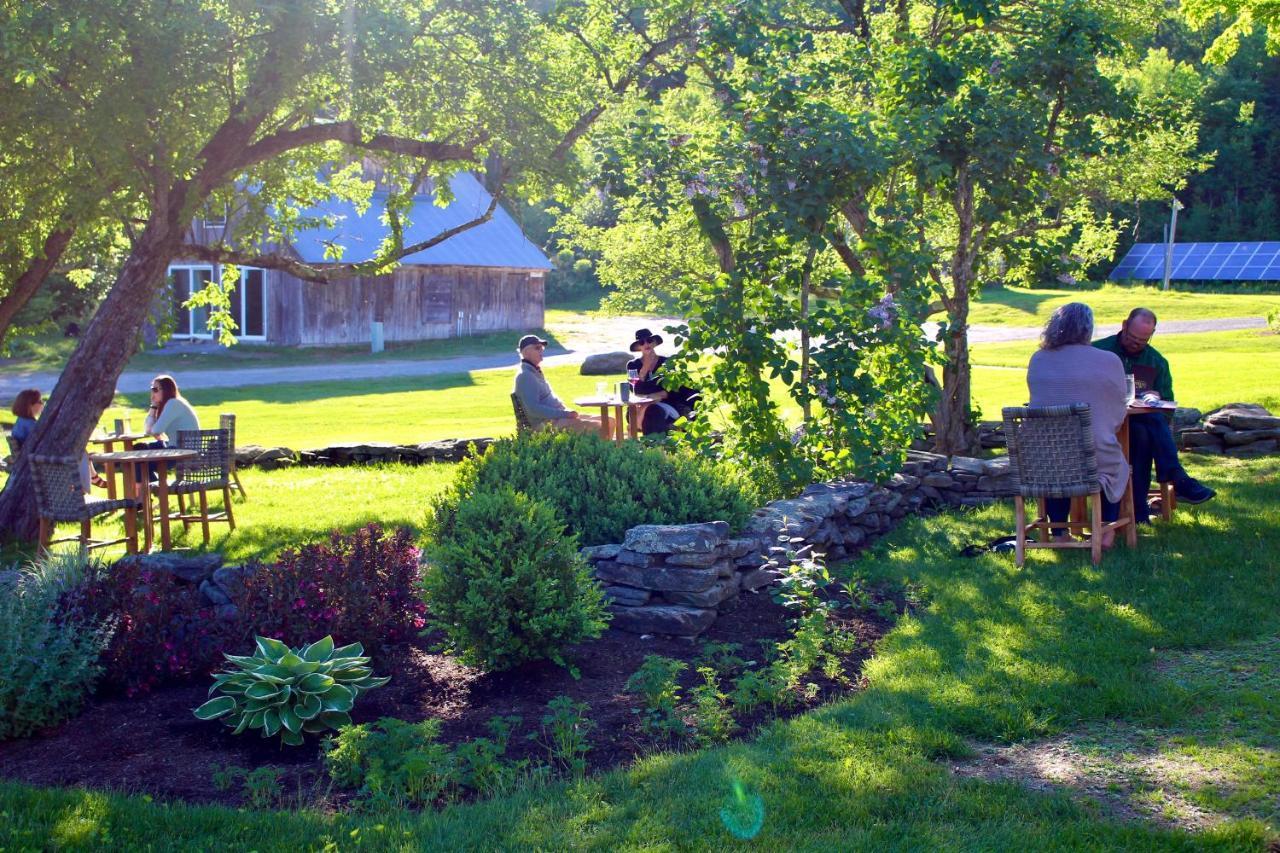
29 282
88 383
956 433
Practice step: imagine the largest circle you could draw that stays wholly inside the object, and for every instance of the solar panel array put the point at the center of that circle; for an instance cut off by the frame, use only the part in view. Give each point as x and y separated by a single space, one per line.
1202 261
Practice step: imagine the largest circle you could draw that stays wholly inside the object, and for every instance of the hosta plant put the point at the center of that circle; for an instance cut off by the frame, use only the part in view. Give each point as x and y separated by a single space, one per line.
290 692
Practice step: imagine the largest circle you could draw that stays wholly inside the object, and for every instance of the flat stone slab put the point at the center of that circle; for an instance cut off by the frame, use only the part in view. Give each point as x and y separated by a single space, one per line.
662 578
676 538
721 590
674 619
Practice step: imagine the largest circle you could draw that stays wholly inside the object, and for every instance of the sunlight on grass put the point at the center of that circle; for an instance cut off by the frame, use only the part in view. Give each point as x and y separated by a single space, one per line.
1111 303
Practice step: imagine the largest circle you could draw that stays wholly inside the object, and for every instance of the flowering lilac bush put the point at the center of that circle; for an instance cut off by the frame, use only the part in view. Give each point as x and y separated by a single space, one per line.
360 588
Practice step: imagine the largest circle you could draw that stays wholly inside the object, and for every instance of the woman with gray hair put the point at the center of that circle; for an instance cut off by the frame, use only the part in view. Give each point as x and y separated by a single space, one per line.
1066 370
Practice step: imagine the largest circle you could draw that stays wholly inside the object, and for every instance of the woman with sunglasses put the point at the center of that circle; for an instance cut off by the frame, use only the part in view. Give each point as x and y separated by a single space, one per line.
168 414
669 406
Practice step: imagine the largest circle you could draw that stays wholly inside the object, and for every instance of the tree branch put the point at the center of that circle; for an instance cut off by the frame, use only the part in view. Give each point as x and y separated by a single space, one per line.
347 132
29 282
301 269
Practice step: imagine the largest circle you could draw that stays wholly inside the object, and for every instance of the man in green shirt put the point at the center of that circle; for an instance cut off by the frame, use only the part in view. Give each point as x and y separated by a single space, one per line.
1150 438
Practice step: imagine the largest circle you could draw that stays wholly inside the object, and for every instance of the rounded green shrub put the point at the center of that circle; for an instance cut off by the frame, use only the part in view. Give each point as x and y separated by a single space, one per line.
506 585
600 489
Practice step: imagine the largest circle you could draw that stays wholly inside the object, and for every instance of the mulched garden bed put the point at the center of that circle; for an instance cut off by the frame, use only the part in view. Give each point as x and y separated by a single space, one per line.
154 745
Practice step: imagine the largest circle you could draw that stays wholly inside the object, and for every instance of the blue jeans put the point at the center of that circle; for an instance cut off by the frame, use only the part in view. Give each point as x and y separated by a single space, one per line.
1059 508
1150 440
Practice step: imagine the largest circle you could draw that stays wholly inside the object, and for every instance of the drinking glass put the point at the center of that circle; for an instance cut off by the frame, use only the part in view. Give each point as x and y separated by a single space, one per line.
633 376
602 389
1129 387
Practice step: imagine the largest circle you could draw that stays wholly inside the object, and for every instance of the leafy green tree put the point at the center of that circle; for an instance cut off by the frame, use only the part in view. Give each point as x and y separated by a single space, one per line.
1242 17
181 106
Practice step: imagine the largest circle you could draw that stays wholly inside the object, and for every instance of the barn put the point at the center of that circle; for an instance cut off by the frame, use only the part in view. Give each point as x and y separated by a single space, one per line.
486 279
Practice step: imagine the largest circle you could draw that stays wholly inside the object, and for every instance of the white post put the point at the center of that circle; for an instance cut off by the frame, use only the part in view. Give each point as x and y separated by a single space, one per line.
375 336
1168 243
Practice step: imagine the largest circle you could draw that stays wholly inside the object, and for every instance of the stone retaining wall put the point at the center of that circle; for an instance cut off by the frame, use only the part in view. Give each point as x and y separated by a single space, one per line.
672 579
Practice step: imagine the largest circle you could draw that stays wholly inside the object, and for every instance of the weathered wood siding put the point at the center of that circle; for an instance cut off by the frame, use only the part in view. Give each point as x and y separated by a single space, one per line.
414 303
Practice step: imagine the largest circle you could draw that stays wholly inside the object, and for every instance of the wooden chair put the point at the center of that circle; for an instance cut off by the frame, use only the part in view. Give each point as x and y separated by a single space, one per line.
1051 455
227 421
524 425
60 497
210 471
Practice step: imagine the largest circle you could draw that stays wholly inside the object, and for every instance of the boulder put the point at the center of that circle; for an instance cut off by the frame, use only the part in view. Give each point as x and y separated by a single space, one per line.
674 619
214 594
591 553
661 578
1258 448
968 465
676 538
633 558
699 560
759 578
606 363
1237 437
1243 416
626 596
1199 438
720 591
192 568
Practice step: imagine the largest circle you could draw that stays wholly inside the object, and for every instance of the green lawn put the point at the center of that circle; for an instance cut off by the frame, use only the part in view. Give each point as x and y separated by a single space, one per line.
1111 303
1209 370
1174 640
291 507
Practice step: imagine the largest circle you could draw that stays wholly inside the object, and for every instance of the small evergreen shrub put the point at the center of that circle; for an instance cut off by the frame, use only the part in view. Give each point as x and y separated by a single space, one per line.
48 654
506 585
600 489
359 587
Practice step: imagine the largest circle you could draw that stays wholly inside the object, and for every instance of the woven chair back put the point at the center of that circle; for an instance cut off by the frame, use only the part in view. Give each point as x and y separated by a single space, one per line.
213 465
228 422
14 447
523 424
1051 450
59 491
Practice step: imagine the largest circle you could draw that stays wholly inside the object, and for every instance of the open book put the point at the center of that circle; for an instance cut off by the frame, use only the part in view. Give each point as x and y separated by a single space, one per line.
1152 402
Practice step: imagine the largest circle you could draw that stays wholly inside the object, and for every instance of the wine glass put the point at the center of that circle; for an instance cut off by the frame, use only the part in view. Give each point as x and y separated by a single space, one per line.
633 376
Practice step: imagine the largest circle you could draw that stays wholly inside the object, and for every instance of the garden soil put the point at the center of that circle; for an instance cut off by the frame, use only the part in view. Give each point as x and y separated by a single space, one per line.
153 745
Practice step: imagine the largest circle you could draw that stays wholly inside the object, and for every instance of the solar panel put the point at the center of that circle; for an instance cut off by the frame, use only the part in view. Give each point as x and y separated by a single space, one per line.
1252 261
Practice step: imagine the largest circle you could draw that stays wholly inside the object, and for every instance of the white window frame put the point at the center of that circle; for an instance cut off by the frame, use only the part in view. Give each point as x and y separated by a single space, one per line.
215 274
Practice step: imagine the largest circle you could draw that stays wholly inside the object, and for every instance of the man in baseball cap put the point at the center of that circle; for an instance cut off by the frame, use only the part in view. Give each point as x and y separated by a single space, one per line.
540 403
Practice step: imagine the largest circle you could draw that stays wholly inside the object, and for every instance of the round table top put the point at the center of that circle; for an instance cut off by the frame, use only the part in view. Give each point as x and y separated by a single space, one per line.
155 454
109 439
636 400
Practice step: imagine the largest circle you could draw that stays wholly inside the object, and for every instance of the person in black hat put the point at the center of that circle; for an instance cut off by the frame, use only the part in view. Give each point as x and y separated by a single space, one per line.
670 405
540 402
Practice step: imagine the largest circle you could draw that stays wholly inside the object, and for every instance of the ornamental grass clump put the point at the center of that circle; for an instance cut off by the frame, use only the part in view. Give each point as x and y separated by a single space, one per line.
290 692
506 585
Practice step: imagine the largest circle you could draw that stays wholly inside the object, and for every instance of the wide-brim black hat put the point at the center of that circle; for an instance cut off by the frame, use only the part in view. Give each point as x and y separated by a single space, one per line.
644 336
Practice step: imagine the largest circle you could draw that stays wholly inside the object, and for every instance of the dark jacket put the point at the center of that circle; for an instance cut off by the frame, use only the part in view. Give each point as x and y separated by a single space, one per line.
682 399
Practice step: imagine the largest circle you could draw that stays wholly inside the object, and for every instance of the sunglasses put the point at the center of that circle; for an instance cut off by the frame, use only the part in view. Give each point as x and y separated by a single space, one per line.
154 389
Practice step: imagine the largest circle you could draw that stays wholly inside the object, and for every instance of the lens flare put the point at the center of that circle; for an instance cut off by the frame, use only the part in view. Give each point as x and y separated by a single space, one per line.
742 812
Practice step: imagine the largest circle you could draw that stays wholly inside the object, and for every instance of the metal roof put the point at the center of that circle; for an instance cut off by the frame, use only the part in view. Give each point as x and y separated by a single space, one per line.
497 243
1202 261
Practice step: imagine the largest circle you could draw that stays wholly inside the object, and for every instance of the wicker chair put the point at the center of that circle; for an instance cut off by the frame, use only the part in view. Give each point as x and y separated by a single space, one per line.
210 471
60 497
228 422
14 448
1052 456
524 425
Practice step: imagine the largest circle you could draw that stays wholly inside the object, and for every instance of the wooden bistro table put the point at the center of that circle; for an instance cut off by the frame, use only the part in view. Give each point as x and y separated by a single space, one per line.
613 423
1126 503
162 458
108 444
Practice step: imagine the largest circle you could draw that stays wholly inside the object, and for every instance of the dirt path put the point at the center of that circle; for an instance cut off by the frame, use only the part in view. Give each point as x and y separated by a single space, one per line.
579 338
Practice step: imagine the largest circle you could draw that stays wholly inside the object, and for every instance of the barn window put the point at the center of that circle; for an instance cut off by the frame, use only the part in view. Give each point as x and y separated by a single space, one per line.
248 302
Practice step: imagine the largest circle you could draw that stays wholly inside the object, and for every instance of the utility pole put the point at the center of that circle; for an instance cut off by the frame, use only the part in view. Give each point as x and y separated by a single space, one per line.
1169 232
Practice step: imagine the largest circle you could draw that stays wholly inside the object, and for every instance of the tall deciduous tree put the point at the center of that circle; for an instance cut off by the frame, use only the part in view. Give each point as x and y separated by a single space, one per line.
184 104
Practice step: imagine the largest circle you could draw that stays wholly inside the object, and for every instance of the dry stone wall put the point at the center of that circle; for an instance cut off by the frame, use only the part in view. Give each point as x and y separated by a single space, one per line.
672 579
